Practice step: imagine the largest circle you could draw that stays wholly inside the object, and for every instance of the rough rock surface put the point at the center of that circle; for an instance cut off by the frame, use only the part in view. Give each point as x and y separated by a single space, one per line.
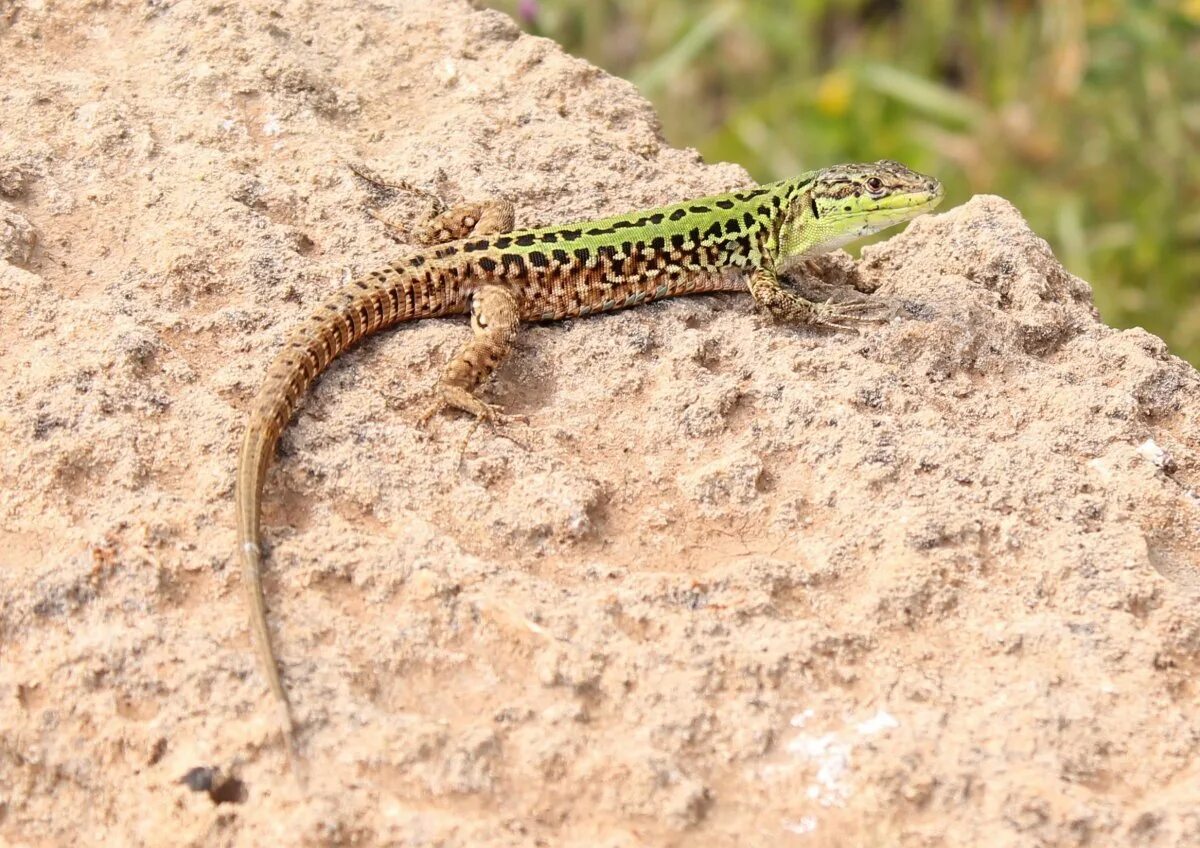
934 584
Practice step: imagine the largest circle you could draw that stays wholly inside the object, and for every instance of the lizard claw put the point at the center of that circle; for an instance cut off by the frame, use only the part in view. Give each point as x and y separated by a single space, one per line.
835 313
431 409
451 397
488 413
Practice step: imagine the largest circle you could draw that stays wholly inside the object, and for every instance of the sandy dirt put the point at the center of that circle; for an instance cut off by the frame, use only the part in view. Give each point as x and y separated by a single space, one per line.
934 584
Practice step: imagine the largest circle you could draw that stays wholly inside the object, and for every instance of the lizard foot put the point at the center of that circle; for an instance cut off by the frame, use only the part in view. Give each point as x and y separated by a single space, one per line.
383 188
368 176
837 313
451 397
443 222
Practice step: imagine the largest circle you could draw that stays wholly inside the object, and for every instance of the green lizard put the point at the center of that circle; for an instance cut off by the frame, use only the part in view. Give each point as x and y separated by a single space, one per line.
743 240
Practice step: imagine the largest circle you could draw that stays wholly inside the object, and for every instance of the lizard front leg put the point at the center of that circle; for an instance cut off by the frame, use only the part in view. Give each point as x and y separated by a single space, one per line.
790 307
495 318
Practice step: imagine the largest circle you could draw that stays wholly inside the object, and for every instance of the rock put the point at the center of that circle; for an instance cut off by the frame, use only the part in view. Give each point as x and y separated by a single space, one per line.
18 237
930 583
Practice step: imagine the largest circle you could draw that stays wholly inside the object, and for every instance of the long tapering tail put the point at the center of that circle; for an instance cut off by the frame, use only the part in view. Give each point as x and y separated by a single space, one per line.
360 308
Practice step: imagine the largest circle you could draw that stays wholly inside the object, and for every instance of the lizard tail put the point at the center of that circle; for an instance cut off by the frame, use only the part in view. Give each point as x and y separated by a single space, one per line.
258 445
360 308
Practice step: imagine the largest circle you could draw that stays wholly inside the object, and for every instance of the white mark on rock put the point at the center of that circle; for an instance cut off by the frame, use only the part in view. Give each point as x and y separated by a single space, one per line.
801 719
802 825
881 721
830 755
1101 468
1152 453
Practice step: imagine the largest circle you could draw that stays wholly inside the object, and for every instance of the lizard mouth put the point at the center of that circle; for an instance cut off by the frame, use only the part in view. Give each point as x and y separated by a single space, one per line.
903 206
923 200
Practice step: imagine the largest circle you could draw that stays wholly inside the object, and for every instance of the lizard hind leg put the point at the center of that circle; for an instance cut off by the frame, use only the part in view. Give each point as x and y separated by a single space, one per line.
495 318
443 222
473 218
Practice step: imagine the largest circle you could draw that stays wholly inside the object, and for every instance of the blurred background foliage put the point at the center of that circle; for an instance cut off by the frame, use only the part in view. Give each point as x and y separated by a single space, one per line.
1084 113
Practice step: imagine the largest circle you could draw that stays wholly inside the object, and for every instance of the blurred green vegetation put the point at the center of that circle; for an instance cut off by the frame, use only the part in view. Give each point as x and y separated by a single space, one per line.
1084 113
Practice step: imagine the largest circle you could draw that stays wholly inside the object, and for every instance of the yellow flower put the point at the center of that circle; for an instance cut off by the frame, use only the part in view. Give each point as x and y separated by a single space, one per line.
834 91
1102 12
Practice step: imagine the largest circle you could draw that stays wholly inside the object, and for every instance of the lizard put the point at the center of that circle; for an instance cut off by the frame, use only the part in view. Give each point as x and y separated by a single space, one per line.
475 263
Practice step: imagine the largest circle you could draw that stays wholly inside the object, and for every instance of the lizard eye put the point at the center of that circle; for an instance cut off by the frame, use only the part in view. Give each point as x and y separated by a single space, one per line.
874 185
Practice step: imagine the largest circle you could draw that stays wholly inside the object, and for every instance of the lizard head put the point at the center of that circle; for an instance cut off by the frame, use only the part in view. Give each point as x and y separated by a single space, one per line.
847 202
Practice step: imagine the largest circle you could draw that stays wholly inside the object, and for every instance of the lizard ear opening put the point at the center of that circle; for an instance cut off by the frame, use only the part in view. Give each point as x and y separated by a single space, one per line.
812 204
